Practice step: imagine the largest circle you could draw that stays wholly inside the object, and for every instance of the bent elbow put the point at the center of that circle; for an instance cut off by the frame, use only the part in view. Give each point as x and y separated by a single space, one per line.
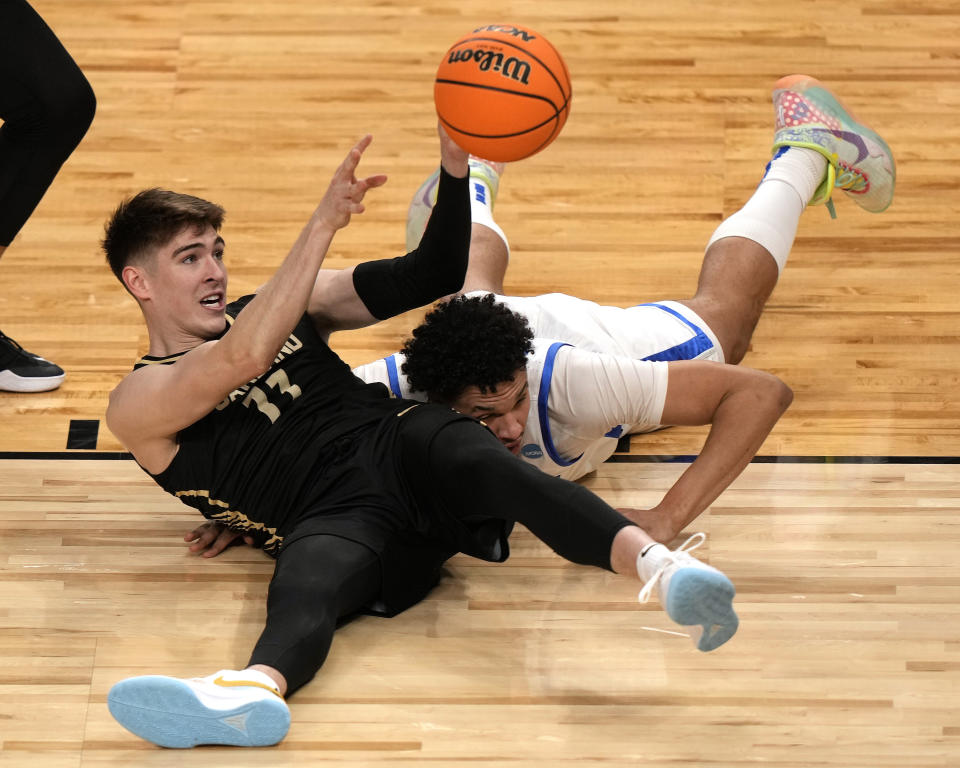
250 363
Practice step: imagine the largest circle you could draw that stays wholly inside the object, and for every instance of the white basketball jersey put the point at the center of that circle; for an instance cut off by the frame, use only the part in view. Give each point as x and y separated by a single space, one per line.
581 403
665 330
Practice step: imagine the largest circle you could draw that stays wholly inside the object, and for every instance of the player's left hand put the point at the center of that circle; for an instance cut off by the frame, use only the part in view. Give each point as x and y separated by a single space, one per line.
210 539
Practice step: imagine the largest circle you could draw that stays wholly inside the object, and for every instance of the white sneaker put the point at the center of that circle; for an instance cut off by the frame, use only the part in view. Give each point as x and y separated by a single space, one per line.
692 593
227 707
421 206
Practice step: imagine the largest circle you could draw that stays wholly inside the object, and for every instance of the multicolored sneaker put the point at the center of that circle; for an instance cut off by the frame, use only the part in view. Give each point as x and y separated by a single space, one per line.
425 197
227 707
692 593
22 371
858 161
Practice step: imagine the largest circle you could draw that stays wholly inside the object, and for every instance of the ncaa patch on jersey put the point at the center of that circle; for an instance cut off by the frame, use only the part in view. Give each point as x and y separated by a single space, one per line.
531 451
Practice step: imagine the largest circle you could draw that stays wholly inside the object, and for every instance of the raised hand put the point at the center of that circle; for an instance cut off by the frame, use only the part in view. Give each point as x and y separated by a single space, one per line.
344 196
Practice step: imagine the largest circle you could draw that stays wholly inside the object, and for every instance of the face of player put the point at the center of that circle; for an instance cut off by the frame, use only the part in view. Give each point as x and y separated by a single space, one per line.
188 282
504 409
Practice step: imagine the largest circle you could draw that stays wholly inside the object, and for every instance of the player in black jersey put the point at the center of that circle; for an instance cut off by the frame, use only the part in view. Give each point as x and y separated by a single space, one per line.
242 411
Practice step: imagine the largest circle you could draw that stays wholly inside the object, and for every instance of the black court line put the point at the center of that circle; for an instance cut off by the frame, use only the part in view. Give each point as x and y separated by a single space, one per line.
64 455
615 459
82 434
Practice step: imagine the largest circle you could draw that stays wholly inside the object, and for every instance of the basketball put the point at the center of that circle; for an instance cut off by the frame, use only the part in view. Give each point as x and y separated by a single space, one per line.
502 92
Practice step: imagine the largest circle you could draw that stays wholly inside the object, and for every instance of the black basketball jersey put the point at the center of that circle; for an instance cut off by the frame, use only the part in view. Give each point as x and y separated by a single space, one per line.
250 462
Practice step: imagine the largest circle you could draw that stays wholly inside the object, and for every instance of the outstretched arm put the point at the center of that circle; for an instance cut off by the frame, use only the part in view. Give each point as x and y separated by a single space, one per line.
181 394
375 290
742 406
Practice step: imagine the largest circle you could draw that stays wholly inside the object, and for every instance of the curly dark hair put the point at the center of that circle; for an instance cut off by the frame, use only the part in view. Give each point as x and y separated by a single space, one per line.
464 342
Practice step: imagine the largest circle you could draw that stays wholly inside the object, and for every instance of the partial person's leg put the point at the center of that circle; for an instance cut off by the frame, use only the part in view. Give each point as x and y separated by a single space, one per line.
46 106
489 256
318 579
818 146
473 477
749 249
305 602
489 249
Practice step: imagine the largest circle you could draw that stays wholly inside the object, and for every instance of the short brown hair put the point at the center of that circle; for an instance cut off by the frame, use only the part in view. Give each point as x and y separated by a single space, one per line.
151 218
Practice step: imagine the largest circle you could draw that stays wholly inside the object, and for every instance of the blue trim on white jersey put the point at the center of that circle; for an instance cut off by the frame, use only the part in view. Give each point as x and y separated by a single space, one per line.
543 395
393 375
690 349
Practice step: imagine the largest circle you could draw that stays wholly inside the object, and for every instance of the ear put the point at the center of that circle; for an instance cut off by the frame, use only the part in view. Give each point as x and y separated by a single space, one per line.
136 280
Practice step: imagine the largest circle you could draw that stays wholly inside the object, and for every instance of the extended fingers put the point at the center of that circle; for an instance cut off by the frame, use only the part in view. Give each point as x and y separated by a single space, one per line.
378 180
352 160
359 188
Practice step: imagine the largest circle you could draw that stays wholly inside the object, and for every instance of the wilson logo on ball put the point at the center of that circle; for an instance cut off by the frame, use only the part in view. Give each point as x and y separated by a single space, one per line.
514 68
502 92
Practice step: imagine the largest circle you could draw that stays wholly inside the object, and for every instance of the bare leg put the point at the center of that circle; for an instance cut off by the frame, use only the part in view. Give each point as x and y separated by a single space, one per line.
626 548
750 248
489 251
488 261
736 279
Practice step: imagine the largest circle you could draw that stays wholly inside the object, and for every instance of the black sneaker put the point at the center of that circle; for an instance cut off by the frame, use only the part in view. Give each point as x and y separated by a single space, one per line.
21 371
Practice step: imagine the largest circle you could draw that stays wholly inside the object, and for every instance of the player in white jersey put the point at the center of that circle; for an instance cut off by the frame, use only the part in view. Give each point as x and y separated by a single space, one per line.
560 394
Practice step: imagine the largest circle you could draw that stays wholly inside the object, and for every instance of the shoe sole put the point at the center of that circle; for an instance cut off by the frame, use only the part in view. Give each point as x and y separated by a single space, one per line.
11 382
703 599
167 712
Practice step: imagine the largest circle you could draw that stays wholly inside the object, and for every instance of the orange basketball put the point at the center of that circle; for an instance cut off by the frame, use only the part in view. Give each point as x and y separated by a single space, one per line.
502 92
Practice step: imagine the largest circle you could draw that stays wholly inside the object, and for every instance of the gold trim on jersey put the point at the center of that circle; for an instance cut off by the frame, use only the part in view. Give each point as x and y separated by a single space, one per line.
160 360
407 410
171 358
235 520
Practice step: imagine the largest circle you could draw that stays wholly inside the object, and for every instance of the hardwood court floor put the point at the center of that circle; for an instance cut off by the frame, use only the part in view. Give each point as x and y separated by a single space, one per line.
847 655
847 577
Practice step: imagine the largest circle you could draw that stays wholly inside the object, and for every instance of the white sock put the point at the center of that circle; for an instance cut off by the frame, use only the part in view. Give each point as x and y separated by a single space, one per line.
771 216
650 558
800 168
481 208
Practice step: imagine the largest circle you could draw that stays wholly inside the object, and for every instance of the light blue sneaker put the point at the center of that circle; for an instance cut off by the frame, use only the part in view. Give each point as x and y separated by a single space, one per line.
693 594
859 162
222 708
421 206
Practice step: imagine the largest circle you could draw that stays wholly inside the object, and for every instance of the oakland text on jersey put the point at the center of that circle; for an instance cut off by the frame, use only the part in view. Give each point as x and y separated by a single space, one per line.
513 68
